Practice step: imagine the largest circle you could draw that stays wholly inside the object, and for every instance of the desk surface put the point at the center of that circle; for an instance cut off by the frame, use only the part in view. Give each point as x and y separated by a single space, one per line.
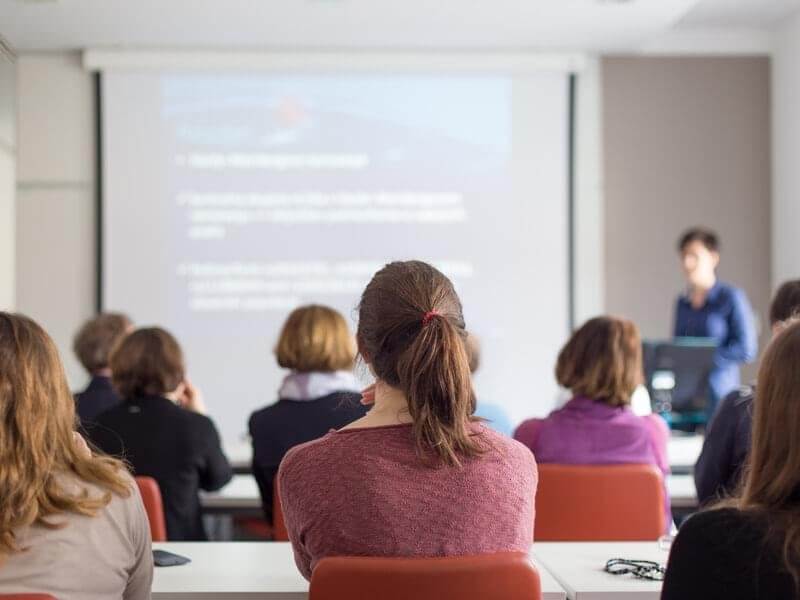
578 567
242 493
251 570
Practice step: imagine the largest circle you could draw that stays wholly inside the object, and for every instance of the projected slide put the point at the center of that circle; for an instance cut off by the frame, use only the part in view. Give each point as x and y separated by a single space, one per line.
232 198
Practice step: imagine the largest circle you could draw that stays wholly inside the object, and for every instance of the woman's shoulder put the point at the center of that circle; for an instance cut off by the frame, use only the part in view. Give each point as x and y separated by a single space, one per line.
722 526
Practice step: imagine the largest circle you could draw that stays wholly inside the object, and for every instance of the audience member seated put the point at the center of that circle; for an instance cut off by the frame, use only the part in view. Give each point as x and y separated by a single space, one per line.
749 547
417 476
72 523
719 468
318 395
161 428
495 416
601 366
92 345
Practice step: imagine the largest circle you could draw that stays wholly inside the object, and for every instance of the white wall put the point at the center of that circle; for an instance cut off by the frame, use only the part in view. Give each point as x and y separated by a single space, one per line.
8 157
786 152
55 218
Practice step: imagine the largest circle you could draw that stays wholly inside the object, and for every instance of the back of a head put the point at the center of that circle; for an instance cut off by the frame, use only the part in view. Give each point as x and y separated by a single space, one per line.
786 302
37 417
315 338
772 478
148 362
602 361
97 338
411 331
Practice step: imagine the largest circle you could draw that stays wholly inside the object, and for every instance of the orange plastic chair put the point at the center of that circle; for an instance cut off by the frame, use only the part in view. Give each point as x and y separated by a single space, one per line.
599 503
154 507
279 533
27 597
506 576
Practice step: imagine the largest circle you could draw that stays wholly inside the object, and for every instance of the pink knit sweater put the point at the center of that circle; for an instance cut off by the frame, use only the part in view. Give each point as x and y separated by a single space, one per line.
364 492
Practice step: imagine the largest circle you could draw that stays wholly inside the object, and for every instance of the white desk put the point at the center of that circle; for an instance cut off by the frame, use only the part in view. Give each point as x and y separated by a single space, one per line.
682 491
578 567
251 570
241 495
683 452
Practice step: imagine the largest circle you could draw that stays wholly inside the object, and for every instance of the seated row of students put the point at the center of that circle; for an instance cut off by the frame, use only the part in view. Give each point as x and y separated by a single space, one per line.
418 475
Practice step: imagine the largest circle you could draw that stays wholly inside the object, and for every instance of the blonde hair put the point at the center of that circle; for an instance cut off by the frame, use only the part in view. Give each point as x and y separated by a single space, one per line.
315 338
771 482
37 419
97 337
602 361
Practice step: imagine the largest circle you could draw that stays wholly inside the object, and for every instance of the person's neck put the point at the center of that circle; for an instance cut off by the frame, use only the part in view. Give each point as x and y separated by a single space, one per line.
102 372
390 408
704 285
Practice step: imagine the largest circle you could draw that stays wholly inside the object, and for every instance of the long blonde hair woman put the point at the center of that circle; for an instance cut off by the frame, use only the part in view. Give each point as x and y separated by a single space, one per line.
71 523
749 547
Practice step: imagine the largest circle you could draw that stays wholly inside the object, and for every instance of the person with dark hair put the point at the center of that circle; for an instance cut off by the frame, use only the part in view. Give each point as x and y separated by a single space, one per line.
712 309
161 429
727 443
418 475
749 546
601 366
93 345
319 394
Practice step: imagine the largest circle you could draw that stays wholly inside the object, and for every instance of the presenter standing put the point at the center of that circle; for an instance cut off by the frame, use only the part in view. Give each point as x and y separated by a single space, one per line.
712 309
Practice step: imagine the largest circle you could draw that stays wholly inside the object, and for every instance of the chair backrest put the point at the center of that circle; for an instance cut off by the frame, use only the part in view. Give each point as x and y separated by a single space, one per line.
510 576
279 533
599 503
27 597
154 507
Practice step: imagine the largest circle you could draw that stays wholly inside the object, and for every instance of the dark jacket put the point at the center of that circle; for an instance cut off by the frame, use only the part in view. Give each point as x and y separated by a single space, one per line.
177 447
726 555
725 448
98 397
287 423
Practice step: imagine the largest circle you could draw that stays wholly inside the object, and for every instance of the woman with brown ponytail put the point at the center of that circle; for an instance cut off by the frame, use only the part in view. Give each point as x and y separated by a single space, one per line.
749 546
72 523
418 475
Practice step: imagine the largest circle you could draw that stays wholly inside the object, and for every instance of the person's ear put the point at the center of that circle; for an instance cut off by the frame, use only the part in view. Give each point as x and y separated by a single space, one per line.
715 259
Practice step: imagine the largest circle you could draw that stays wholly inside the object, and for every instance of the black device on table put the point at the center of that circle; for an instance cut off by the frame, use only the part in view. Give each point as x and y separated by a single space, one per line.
676 376
162 558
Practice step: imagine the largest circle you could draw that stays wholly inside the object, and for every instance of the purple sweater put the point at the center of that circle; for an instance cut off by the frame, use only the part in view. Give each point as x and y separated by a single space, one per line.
365 492
586 432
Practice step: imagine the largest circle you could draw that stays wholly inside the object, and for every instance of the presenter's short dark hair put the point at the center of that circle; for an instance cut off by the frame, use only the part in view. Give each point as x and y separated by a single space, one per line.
149 362
705 236
786 302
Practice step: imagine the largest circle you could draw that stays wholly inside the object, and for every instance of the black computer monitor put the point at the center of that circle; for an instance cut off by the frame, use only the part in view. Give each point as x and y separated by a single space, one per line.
676 375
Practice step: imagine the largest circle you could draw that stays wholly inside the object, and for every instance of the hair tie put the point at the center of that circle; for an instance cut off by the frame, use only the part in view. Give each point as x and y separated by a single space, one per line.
426 318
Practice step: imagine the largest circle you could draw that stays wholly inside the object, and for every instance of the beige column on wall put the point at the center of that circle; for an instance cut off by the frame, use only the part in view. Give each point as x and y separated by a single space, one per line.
686 141
8 167
55 219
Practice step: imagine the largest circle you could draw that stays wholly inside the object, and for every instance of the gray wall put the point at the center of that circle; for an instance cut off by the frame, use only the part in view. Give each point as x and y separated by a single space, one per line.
55 222
8 159
686 141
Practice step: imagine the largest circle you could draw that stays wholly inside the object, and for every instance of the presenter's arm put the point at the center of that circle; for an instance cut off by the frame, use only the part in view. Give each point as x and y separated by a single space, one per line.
216 471
742 343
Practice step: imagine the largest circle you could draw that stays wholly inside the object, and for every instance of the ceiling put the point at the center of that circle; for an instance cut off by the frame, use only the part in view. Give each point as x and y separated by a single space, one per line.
611 25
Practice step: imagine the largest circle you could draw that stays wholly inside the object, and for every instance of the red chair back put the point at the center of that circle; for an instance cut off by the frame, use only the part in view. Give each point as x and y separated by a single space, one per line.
27 597
506 576
279 533
154 507
599 503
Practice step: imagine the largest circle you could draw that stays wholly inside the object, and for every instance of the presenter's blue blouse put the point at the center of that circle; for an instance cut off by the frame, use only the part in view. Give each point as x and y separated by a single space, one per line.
727 318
